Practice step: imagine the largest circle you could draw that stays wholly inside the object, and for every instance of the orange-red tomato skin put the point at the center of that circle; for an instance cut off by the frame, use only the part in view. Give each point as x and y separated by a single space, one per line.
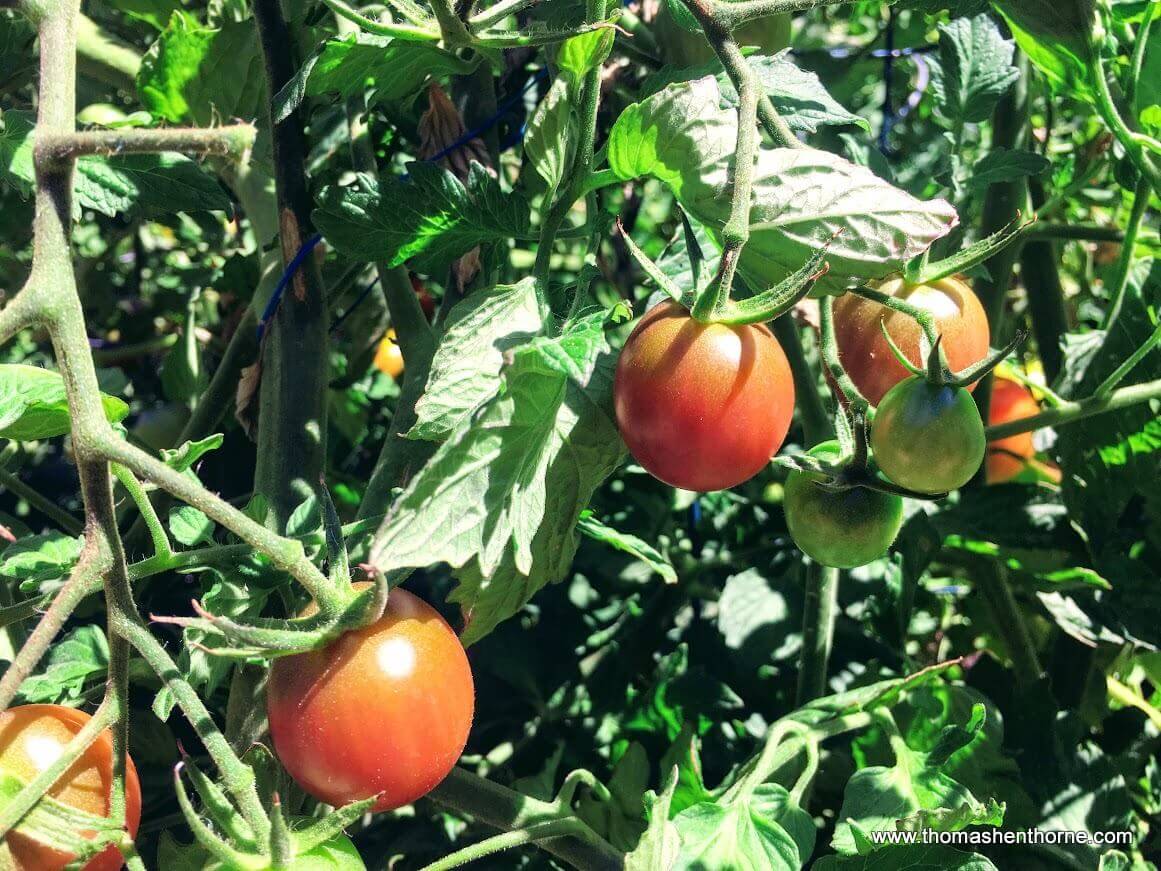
865 354
384 710
702 406
31 736
1008 457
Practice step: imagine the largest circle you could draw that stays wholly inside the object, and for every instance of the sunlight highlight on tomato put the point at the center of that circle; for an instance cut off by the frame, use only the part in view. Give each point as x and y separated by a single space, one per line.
384 710
32 737
702 406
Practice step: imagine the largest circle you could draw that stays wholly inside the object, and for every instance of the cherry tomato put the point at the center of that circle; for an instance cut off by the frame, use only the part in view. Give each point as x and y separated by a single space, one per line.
1009 456
388 357
867 357
927 438
426 300
702 406
842 529
384 710
32 737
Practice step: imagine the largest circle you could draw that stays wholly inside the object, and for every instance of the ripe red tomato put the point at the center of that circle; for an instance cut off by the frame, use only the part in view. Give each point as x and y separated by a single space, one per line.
426 300
388 357
384 710
843 529
702 406
32 737
927 438
864 351
1009 456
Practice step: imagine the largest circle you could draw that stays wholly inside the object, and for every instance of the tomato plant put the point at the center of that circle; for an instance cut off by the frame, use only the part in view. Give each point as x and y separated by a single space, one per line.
865 353
668 548
32 737
702 407
845 528
407 674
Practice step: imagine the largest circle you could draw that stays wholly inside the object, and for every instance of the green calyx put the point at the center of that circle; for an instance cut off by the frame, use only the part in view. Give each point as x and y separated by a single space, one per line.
835 522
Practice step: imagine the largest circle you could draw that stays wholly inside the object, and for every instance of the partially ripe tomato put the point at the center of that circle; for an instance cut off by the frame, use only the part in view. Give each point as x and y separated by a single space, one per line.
388 356
865 354
384 710
843 529
32 737
1009 456
702 406
927 438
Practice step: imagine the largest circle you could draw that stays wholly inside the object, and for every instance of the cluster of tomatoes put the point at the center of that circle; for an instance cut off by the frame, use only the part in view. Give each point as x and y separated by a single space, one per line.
382 711
705 406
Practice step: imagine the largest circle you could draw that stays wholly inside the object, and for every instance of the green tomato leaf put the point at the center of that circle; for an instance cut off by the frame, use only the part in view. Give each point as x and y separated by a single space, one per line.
203 75
660 845
33 404
1002 165
190 527
431 217
802 199
465 371
745 836
974 68
186 455
799 96
629 544
550 142
580 54
389 70
1057 36
75 663
40 559
500 499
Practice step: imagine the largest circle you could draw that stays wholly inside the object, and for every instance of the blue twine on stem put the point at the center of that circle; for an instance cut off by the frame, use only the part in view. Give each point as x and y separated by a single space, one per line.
287 273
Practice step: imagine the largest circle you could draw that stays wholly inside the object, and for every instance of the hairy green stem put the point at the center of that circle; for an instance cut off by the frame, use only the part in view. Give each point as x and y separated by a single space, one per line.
820 609
287 554
405 32
1128 364
237 777
161 544
231 141
1120 282
1069 412
506 841
504 809
736 232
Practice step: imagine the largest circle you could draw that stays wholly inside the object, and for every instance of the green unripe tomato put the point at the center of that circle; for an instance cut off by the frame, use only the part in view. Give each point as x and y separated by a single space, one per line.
844 529
928 438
